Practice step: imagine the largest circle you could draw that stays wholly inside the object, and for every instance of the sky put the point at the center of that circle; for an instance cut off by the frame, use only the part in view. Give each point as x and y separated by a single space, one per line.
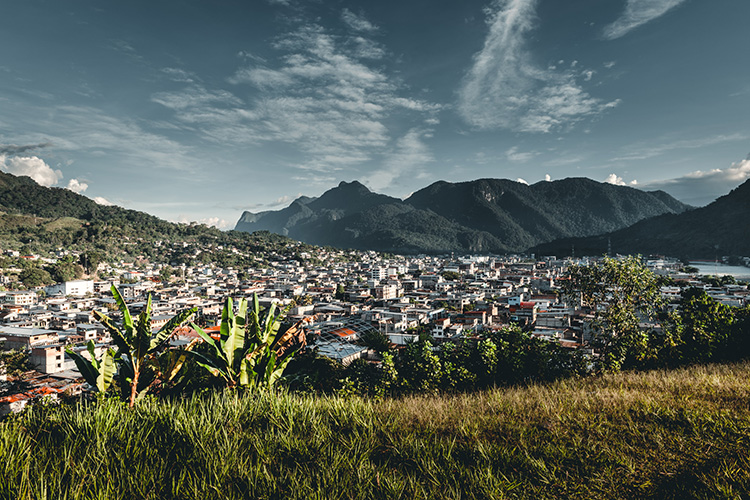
197 111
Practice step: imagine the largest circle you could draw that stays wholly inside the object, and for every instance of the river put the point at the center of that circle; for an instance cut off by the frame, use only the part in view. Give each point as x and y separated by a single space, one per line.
739 272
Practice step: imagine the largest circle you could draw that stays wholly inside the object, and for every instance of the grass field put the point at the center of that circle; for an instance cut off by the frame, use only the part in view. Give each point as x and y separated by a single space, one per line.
676 434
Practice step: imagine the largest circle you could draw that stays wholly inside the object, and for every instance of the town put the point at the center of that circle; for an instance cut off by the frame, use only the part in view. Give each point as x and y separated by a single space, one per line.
338 296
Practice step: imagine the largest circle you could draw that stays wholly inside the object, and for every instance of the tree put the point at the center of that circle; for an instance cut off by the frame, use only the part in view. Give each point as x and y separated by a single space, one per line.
451 275
138 348
623 295
34 276
704 328
252 350
420 367
166 273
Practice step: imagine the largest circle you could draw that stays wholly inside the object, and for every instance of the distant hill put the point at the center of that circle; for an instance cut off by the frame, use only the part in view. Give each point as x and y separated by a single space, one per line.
722 227
486 215
39 219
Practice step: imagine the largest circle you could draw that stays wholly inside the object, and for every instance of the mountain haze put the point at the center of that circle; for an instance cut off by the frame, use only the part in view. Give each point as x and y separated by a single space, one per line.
486 215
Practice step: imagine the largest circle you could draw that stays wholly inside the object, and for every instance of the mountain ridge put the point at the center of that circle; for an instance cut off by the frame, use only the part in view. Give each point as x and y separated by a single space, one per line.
484 215
720 227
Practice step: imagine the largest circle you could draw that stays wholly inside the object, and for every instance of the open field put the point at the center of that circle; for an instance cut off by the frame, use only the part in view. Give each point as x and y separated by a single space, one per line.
678 434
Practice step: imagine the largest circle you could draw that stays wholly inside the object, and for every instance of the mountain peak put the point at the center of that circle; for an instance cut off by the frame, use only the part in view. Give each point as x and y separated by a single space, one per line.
353 186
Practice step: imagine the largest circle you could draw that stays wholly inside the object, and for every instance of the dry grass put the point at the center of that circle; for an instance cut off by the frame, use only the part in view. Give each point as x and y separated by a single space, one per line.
658 434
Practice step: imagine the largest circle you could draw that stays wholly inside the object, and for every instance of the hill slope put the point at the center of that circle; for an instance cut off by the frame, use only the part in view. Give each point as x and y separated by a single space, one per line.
640 435
486 215
38 219
721 227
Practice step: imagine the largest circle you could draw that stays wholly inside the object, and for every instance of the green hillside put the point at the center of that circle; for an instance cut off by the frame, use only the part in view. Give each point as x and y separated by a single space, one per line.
486 215
720 228
659 434
36 219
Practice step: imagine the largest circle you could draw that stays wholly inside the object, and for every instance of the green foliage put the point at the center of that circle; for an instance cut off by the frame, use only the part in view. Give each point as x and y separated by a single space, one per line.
34 276
138 348
99 373
250 346
15 361
450 275
420 367
622 294
676 434
376 340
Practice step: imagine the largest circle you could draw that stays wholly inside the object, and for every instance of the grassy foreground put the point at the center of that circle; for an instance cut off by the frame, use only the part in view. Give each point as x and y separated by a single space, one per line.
677 434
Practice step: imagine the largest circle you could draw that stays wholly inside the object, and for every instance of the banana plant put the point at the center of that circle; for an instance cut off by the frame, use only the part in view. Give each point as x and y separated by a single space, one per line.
99 373
137 346
249 351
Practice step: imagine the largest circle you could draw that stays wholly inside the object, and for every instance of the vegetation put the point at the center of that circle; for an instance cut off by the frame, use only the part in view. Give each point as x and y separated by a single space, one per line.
252 350
704 232
138 350
40 220
486 215
656 434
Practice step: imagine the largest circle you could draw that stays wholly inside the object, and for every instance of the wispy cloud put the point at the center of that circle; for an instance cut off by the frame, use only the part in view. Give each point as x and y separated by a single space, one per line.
646 151
637 13
84 128
514 155
408 159
506 89
704 186
357 22
12 149
322 96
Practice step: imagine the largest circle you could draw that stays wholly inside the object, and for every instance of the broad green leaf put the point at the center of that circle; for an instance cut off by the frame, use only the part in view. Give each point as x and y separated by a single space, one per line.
91 347
166 331
143 333
84 366
107 370
127 320
278 371
120 339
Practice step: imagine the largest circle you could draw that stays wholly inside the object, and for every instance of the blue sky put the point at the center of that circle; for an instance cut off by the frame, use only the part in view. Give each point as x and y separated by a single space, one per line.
197 110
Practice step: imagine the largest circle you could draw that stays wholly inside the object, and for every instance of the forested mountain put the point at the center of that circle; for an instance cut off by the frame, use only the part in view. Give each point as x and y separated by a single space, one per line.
36 219
486 215
720 228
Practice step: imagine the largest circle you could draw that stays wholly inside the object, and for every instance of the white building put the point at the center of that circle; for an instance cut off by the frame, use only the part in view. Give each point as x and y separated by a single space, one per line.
77 288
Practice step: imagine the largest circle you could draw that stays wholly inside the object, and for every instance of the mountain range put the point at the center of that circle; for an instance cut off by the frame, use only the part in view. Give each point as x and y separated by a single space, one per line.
484 216
720 228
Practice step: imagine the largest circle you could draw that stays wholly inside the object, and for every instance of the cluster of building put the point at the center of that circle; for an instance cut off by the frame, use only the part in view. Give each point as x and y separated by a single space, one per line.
338 301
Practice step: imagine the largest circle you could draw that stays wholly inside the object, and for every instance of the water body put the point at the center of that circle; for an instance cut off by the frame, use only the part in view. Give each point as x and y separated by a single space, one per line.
706 268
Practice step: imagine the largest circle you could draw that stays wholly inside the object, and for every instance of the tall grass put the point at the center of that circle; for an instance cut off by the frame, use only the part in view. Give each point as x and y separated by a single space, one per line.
678 434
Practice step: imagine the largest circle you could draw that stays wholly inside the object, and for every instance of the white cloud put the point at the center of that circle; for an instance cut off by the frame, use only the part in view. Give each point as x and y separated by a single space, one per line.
102 201
357 23
31 166
644 152
514 155
320 97
208 221
637 13
506 89
618 181
409 156
77 186
702 187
